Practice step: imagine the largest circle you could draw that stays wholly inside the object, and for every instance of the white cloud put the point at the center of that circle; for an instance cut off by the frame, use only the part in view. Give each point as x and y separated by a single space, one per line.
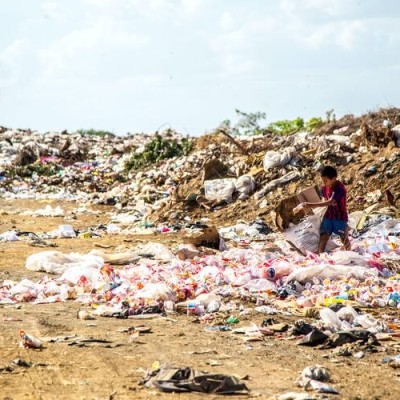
342 34
194 6
154 10
226 21
330 7
304 7
238 44
10 63
52 10
12 53
88 43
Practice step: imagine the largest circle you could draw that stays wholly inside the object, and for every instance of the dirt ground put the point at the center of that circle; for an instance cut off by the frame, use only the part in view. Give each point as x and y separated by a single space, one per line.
113 370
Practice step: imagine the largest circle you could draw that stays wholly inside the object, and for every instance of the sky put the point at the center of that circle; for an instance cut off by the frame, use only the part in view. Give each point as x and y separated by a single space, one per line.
144 65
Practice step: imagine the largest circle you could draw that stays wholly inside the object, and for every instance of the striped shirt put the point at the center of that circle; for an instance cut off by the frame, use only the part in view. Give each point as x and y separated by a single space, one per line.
338 209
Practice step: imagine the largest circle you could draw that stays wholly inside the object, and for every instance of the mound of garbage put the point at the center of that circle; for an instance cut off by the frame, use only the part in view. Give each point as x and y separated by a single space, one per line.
167 177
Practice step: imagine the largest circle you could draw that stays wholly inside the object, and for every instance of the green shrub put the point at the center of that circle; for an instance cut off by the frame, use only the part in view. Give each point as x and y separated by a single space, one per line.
289 127
38 168
158 149
286 126
94 132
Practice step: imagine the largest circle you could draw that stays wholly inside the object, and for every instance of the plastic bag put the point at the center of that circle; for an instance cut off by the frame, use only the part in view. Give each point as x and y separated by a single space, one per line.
330 319
160 251
277 158
86 275
307 274
55 262
245 185
10 236
219 189
305 235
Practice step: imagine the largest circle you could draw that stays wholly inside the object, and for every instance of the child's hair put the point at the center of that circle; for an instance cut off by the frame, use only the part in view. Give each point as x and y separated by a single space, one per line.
329 172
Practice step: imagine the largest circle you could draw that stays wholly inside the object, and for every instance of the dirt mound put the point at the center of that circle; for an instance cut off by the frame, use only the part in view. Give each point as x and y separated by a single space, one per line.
366 164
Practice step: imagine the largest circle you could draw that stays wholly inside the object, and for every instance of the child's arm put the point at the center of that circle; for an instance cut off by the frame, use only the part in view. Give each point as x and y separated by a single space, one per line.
319 204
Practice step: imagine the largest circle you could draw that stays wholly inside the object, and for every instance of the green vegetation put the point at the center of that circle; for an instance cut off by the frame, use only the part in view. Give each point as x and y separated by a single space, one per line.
289 127
158 149
94 132
249 125
38 168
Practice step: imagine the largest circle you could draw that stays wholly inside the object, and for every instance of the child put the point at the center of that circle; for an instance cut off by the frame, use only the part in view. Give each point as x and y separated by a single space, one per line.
335 218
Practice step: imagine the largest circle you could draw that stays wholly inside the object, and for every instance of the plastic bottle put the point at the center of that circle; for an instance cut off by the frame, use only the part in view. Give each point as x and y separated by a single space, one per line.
191 307
29 341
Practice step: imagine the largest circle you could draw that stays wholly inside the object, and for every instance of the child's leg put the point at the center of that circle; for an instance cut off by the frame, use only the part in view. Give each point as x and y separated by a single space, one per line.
323 240
325 232
345 239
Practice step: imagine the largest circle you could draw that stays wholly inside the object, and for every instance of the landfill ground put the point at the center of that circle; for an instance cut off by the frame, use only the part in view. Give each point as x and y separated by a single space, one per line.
113 370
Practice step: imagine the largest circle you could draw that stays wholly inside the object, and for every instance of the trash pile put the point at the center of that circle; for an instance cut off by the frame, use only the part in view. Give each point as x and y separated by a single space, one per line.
218 176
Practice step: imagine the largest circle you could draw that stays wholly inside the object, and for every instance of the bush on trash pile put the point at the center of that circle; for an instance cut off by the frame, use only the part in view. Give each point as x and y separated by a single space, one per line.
158 149
288 127
94 132
37 168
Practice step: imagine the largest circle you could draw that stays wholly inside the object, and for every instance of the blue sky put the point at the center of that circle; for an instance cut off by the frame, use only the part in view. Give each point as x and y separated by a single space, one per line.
135 65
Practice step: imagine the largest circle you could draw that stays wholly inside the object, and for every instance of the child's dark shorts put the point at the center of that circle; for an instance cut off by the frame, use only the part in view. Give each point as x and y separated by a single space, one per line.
336 226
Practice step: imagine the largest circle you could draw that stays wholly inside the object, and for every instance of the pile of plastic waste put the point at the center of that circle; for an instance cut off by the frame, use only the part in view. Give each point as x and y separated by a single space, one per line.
155 276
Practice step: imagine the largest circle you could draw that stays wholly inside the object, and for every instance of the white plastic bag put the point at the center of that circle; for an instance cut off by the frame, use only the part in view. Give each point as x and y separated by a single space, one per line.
245 185
55 262
330 319
219 189
160 251
305 236
277 158
307 274
10 236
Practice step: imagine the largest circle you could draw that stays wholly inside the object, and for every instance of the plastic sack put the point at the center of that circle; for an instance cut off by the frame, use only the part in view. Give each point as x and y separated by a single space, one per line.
245 185
305 235
277 158
55 262
307 274
219 189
